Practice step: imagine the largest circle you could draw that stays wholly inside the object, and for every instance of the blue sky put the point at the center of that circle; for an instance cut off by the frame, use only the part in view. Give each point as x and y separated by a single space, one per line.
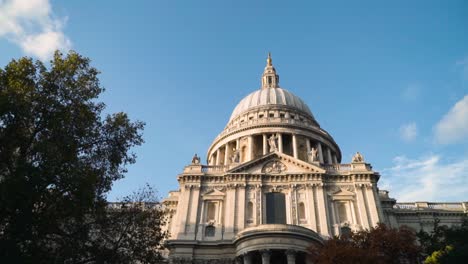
386 78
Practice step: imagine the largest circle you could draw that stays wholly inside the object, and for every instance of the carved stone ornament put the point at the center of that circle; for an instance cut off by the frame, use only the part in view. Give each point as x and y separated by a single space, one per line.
357 158
274 167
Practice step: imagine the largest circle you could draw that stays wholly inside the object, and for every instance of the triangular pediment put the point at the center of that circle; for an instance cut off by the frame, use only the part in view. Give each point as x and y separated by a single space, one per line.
277 163
343 192
214 193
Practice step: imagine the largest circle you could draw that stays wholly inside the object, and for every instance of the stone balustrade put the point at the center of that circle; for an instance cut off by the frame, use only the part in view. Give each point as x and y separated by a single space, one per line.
417 206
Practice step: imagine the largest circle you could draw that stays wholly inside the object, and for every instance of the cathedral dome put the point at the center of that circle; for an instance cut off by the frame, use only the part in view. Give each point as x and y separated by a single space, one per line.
270 97
272 119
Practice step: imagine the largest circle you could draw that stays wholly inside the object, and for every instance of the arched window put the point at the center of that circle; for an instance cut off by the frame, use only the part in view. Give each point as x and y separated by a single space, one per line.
249 212
301 211
210 231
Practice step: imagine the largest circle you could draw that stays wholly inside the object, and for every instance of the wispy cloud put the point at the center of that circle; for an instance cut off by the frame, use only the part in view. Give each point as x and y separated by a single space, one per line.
428 178
32 25
463 64
453 127
411 92
408 132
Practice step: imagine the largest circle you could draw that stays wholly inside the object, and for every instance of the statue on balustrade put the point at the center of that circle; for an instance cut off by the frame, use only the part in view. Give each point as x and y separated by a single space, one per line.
357 158
313 155
273 142
196 159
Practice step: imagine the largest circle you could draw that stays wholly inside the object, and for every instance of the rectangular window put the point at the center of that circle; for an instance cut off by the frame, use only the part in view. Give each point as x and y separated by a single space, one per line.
211 211
276 208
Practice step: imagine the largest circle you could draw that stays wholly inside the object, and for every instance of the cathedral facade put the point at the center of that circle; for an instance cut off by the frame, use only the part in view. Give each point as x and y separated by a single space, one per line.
274 184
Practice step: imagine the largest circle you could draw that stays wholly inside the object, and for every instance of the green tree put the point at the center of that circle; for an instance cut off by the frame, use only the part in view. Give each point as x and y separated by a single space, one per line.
379 245
445 244
59 155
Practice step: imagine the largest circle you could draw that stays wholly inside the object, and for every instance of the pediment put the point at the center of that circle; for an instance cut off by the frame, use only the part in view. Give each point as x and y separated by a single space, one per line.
343 192
213 195
277 163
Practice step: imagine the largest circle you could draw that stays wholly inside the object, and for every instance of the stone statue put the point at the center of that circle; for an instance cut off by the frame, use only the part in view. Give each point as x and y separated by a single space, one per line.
196 159
357 158
235 156
313 155
272 141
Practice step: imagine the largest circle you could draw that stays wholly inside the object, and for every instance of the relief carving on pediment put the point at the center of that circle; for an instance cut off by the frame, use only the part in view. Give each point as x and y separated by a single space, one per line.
274 166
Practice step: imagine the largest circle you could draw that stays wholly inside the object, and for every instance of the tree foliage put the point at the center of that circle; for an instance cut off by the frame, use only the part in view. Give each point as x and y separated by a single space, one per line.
379 245
59 155
445 244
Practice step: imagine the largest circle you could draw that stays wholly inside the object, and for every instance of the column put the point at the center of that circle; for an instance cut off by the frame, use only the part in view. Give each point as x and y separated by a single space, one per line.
322 208
311 208
308 145
193 212
265 144
319 147
335 160
181 216
294 142
329 156
218 157
280 143
229 212
247 258
227 154
265 256
361 203
372 205
249 148
291 256
241 156
241 208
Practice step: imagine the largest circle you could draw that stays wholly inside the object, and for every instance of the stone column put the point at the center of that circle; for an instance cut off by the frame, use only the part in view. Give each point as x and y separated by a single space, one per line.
291 256
247 258
230 214
372 204
362 207
265 144
249 148
218 157
320 153
192 221
308 145
322 207
335 160
329 156
280 142
294 142
240 208
265 256
227 154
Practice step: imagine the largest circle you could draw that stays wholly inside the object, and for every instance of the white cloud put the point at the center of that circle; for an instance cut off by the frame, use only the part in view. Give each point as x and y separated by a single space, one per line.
408 132
32 25
427 179
453 127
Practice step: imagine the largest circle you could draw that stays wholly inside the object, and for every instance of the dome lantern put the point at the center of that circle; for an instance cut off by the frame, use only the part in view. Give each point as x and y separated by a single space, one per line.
269 78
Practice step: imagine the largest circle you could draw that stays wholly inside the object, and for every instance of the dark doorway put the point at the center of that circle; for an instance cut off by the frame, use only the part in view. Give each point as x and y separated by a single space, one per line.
276 208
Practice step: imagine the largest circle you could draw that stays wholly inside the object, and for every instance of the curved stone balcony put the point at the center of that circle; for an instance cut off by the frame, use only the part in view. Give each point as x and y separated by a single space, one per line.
275 237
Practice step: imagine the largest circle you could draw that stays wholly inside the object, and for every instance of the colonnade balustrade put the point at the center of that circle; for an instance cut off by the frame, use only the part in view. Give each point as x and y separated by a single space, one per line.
238 152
